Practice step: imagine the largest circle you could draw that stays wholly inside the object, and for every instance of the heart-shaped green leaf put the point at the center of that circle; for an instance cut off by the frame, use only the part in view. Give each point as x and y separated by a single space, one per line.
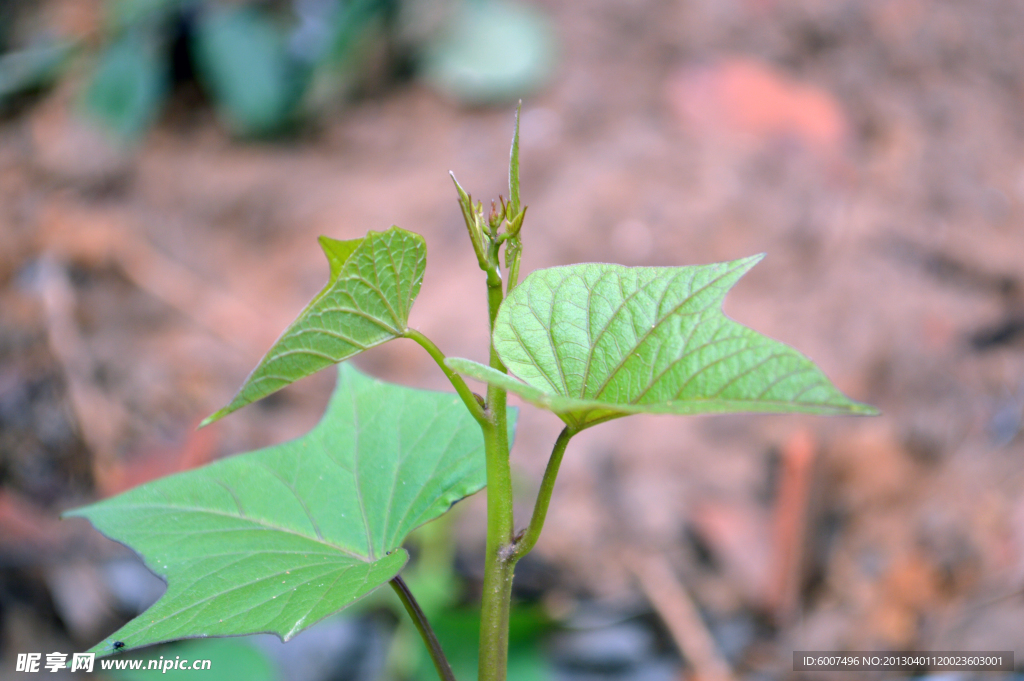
594 342
372 286
277 539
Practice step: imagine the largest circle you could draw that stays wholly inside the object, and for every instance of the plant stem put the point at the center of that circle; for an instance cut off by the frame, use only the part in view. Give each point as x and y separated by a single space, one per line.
444 670
497 590
496 598
460 385
540 510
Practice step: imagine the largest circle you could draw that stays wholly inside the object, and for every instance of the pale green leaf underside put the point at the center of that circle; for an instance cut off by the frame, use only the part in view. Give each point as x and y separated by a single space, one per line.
594 342
371 289
277 539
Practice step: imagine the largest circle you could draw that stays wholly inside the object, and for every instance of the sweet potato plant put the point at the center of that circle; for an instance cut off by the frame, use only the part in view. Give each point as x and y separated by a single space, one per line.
277 539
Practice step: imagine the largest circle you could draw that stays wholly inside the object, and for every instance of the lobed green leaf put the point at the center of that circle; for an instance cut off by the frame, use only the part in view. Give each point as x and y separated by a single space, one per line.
366 302
594 342
277 539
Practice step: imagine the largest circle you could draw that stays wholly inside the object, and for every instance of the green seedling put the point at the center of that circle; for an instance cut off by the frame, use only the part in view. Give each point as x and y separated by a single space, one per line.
277 539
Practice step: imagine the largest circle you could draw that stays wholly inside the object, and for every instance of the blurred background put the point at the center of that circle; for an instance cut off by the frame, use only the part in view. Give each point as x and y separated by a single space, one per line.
166 166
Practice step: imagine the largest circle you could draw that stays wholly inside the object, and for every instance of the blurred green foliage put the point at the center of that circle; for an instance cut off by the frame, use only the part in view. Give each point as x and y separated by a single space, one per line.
264 65
31 68
129 84
491 49
242 60
252 60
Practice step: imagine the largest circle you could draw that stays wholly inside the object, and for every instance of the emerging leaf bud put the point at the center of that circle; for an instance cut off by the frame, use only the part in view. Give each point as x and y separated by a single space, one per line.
516 223
495 218
473 214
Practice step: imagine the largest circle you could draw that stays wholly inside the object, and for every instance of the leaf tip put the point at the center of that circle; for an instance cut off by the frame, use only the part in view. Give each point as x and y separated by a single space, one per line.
862 409
73 513
748 262
215 416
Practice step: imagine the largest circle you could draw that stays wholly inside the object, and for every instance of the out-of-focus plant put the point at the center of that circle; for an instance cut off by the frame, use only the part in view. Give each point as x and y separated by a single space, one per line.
31 68
277 539
266 65
253 60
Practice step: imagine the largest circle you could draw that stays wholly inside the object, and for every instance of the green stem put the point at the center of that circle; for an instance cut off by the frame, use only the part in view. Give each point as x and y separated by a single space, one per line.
460 386
496 599
494 298
444 670
547 485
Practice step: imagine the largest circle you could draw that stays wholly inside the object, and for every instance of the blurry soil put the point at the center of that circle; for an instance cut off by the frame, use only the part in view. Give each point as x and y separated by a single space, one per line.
873 150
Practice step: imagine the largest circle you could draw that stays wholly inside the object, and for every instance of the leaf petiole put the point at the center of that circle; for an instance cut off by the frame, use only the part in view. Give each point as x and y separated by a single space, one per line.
444 670
529 539
456 380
